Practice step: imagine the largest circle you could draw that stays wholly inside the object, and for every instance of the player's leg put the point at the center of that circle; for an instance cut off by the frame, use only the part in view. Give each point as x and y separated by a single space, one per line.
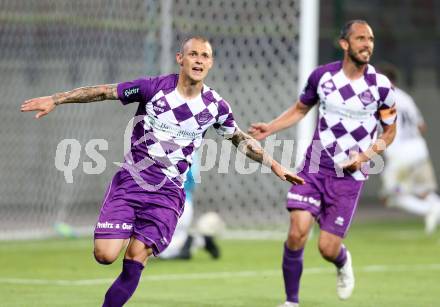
332 249
409 203
115 223
125 285
425 184
302 203
152 231
432 218
106 251
300 223
339 204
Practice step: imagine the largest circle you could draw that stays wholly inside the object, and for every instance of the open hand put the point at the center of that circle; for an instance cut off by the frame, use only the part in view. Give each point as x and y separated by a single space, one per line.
286 175
42 104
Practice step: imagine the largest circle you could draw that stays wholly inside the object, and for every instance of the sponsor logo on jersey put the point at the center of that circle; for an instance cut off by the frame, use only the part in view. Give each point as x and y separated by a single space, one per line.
172 130
131 91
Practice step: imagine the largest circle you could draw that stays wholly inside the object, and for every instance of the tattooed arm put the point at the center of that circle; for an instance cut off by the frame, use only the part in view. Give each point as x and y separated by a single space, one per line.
79 95
252 149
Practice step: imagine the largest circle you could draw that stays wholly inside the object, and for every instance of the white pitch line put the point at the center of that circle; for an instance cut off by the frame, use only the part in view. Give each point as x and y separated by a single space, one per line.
221 275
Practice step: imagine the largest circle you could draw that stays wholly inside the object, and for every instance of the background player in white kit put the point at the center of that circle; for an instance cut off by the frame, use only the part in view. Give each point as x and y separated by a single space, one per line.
190 236
408 178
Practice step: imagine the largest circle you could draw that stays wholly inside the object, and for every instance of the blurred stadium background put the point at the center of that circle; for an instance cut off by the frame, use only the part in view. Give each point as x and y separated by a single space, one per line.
48 46
56 45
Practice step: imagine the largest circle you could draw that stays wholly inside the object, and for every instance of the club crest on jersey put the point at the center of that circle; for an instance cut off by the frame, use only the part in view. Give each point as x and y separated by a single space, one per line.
366 97
328 87
204 117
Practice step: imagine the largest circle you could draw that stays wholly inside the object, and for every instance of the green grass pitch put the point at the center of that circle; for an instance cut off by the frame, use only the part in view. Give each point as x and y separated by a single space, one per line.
395 265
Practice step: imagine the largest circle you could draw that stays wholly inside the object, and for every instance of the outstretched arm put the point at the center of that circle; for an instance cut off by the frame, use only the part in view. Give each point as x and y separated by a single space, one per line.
46 104
252 149
287 119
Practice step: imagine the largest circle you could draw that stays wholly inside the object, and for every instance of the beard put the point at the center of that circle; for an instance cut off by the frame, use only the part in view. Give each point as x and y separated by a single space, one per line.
356 59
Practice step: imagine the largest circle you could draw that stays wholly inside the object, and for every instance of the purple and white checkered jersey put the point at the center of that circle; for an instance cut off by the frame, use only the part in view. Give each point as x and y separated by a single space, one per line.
349 111
169 128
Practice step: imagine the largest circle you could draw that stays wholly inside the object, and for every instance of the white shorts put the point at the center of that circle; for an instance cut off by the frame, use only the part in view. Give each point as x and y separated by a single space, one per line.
415 178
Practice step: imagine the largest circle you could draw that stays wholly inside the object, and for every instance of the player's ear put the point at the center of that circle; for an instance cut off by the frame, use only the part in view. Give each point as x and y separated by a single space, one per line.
211 63
179 58
343 43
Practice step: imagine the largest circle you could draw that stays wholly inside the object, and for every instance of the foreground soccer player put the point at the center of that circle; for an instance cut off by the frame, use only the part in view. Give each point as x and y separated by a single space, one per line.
351 97
145 197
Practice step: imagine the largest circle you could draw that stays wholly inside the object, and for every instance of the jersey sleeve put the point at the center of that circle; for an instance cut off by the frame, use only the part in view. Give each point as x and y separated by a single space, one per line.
139 90
225 125
309 95
387 101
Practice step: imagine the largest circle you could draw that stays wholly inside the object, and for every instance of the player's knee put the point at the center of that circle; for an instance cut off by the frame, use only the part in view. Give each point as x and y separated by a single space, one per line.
296 239
104 258
328 250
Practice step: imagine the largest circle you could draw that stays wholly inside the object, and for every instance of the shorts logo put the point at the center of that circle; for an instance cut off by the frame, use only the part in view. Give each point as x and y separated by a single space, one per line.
131 91
339 221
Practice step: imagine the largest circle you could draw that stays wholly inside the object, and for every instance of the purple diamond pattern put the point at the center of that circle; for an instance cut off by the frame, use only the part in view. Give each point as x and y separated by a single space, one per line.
359 133
347 92
348 112
174 128
338 130
182 112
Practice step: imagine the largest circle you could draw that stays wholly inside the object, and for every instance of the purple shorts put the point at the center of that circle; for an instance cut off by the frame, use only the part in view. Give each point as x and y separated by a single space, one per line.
129 211
331 200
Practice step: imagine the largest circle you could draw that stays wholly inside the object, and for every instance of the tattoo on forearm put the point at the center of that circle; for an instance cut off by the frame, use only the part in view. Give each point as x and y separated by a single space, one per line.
87 94
250 147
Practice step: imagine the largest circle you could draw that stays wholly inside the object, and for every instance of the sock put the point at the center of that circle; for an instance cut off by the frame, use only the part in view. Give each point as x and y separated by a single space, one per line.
125 285
292 270
341 259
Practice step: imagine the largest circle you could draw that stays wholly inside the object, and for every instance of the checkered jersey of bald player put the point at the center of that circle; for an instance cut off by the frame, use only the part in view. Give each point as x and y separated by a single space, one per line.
172 127
349 111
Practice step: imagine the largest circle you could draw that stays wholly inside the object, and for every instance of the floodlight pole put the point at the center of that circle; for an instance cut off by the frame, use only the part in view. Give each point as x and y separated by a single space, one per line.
308 58
166 37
